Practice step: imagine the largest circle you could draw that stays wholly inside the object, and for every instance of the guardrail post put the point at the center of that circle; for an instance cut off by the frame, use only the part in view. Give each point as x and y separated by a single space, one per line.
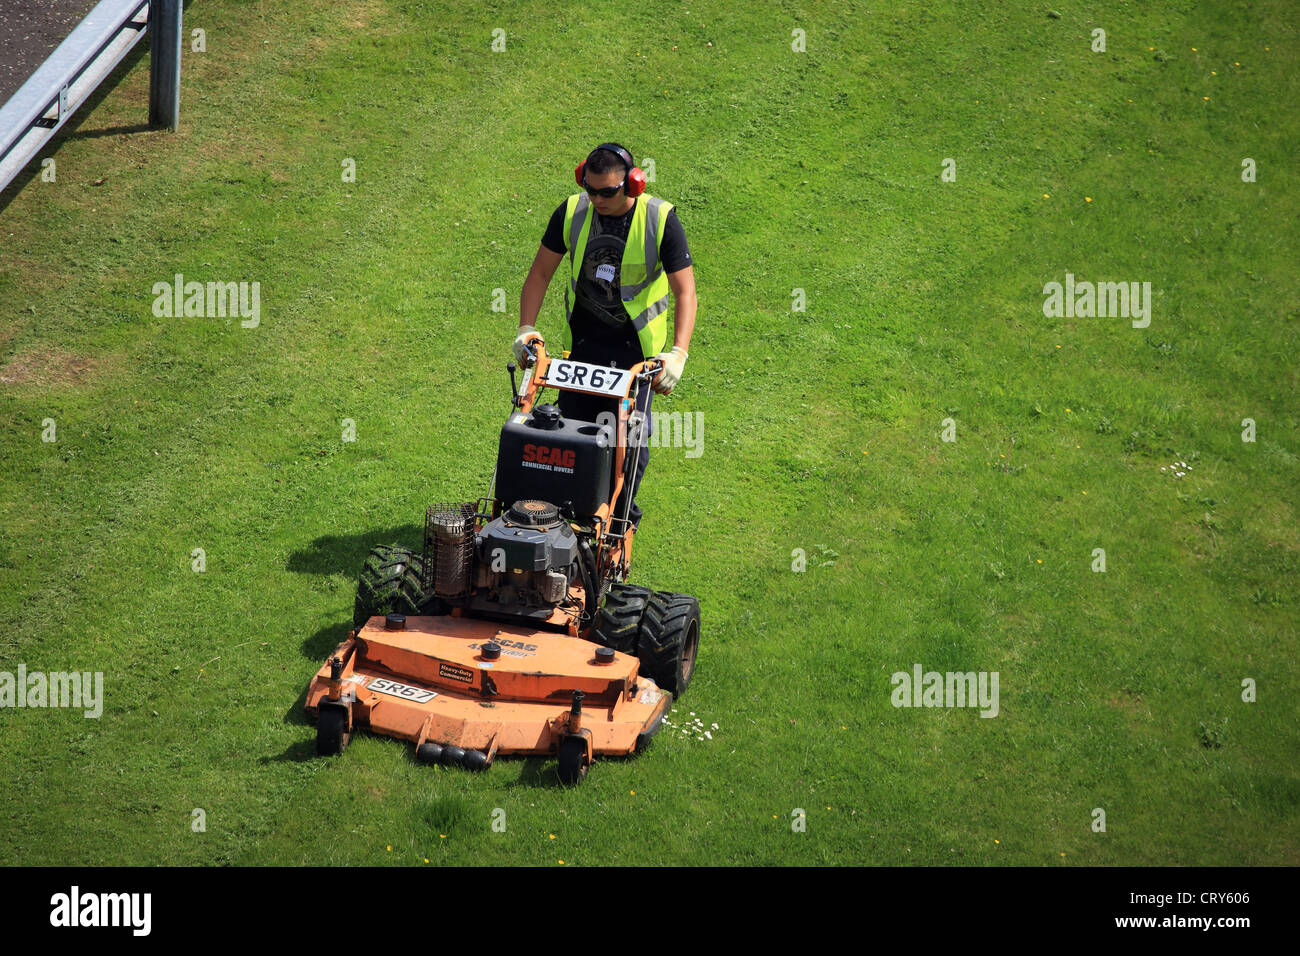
165 63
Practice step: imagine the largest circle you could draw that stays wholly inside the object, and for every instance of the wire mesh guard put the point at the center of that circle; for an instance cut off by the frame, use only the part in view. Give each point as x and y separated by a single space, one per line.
449 549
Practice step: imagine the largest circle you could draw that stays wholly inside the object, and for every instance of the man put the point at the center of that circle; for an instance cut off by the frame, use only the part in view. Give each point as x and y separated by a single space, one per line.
616 302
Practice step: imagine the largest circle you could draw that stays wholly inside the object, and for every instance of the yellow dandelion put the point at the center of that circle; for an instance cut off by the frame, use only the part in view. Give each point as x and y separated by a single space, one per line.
1193 50
552 836
1040 560
997 841
1085 492
1087 199
1067 409
442 836
1047 195
389 848
1205 97
561 863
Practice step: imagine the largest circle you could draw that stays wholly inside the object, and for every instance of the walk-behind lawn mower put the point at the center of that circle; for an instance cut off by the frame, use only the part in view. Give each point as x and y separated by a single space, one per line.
513 631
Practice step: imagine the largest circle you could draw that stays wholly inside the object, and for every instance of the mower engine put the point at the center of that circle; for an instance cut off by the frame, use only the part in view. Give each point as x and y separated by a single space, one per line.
521 563
527 558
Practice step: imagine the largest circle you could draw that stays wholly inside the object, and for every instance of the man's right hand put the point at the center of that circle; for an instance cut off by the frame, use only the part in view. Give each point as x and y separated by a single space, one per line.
526 334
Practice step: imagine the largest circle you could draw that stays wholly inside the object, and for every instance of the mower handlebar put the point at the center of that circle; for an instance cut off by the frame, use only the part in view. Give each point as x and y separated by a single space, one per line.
539 360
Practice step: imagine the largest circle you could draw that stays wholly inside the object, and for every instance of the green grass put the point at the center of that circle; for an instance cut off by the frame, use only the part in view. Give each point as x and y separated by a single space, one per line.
818 171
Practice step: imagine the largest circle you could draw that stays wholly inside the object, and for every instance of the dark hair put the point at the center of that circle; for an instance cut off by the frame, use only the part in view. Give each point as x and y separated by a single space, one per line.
602 161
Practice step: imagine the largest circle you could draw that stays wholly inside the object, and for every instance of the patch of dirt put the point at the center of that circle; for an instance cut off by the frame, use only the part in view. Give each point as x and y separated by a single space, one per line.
49 368
1129 704
358 17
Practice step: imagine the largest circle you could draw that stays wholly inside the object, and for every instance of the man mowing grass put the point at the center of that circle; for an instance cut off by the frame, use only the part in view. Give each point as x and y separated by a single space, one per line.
627 251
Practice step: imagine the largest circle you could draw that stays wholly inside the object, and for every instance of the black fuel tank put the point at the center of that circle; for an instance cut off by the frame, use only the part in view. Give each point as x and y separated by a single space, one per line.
543 455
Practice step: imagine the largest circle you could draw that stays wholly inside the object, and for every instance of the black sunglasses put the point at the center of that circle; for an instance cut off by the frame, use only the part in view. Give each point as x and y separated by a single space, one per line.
606 192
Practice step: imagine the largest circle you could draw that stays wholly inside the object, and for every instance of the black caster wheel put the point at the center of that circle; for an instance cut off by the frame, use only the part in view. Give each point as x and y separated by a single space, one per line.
573 760
332 734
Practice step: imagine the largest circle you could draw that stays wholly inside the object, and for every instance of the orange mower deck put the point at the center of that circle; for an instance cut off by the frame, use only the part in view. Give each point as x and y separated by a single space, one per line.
432 681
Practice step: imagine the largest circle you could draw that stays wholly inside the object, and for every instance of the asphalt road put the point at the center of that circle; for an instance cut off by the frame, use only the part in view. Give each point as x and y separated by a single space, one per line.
29 32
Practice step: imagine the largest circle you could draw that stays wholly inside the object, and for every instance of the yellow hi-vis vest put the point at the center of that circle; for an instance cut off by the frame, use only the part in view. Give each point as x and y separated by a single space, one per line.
643 284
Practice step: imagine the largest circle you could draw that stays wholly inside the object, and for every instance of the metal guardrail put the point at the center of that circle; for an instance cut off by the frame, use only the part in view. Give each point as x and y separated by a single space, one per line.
67 78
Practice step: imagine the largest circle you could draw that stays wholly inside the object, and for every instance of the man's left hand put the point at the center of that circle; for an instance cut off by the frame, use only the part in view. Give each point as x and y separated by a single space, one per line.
674 361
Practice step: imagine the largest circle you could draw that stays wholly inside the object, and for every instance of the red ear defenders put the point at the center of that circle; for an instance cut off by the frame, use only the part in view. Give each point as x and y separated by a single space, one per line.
634 182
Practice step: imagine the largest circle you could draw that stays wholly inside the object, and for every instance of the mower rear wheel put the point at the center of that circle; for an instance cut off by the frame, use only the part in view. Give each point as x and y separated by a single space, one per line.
619 619
669 640
391 582
332 735
573 760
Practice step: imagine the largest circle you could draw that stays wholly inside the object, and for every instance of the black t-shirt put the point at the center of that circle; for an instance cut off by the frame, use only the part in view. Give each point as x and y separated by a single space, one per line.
598 314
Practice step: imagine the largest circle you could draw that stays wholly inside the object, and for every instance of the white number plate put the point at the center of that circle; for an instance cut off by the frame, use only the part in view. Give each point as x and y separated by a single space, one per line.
405 691
592 379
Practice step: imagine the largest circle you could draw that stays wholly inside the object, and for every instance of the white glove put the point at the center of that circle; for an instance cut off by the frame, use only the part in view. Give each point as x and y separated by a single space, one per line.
526 334
674 361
